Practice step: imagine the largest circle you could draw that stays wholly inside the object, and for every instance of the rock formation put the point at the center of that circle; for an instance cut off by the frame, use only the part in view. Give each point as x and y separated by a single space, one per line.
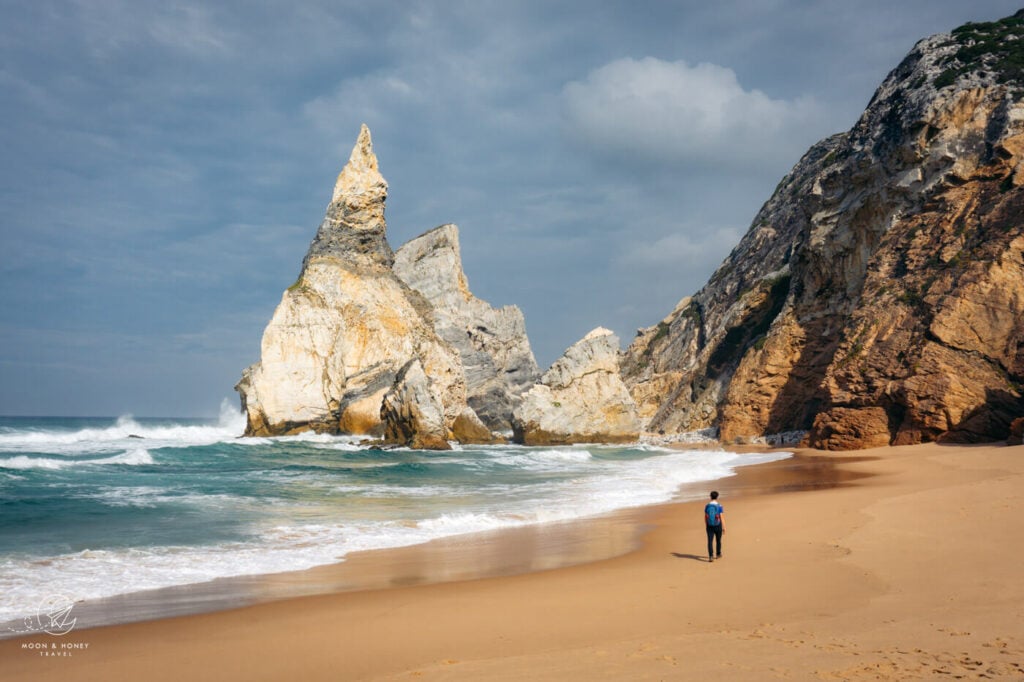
581 399
347 326
1016 436
492 343
412 412
878 296
469 429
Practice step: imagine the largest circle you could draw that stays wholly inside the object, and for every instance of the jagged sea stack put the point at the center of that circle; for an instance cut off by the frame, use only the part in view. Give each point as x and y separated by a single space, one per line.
878 297
491 342
347 325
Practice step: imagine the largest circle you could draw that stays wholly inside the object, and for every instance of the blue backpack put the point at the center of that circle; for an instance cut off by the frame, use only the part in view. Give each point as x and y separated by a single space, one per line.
713 511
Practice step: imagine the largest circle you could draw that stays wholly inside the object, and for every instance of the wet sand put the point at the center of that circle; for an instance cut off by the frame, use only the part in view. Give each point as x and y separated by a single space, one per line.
892 564
508 551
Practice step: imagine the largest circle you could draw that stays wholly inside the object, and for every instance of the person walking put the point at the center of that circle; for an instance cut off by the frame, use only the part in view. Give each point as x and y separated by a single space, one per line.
715 525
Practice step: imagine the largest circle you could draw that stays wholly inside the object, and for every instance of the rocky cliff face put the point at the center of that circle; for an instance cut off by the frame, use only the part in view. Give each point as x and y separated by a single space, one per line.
878 296
348 325
580 399
491 343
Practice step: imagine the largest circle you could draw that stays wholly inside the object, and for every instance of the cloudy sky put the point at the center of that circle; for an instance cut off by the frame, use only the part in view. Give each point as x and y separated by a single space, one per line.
165 164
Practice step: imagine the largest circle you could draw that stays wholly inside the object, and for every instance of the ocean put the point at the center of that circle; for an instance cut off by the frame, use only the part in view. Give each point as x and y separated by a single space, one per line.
91 508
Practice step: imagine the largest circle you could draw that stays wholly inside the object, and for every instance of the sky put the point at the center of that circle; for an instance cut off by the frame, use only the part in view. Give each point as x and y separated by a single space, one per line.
165 165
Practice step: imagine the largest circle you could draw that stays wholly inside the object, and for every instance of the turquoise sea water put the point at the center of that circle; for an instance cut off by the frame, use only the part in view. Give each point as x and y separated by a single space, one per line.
97 507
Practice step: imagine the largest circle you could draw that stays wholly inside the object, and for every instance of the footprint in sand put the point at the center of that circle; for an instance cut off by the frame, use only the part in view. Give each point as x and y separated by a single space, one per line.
643 649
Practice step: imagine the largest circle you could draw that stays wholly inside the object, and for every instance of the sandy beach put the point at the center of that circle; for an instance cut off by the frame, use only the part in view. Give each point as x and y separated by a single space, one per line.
893 564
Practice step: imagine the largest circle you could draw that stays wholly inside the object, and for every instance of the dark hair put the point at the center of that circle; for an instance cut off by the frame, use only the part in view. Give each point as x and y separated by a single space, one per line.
714 494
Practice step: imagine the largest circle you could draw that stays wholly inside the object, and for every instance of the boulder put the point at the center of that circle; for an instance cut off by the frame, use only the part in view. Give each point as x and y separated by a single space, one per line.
1016 432
469 429
844 428
412 412
580 399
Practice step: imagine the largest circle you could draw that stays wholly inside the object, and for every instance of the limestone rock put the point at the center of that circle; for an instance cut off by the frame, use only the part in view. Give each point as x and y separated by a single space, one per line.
878 296
412 412
469 429
354 230
580 399
347 326
492 343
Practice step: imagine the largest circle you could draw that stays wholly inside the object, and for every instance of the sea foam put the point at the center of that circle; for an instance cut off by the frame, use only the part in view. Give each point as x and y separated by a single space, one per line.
122 435
133 457
284 504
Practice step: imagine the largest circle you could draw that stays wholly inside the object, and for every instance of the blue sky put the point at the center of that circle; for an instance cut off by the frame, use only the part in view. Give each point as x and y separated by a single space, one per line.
165 165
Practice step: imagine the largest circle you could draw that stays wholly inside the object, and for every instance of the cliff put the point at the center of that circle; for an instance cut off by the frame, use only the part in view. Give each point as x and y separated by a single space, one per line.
347 326
492 343
877 297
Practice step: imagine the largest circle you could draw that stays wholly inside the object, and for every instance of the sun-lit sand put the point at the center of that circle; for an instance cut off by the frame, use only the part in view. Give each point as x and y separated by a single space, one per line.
894 564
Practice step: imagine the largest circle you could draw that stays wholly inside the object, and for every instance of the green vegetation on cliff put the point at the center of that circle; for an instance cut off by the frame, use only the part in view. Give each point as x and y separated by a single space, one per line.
995 46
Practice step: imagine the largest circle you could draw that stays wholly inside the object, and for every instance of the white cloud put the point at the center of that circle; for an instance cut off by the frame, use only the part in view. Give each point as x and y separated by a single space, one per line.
679 248
671 111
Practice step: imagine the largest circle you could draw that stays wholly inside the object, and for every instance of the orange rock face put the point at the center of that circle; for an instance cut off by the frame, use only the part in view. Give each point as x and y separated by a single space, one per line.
878 296
939 345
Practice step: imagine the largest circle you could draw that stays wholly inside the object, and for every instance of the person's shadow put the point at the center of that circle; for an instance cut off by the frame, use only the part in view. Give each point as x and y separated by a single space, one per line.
695 557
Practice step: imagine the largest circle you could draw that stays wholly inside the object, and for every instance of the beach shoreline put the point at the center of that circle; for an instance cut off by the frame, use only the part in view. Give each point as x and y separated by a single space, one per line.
807 586
497 552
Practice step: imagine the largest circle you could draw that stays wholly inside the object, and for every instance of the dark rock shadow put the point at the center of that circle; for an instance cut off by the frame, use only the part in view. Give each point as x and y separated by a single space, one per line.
801 398
989 422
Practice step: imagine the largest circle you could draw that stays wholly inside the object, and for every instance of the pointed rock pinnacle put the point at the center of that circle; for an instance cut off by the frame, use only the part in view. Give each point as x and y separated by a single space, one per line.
354 228
360 176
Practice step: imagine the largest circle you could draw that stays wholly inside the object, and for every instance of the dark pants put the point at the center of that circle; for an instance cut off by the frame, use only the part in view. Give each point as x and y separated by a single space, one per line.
715 534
